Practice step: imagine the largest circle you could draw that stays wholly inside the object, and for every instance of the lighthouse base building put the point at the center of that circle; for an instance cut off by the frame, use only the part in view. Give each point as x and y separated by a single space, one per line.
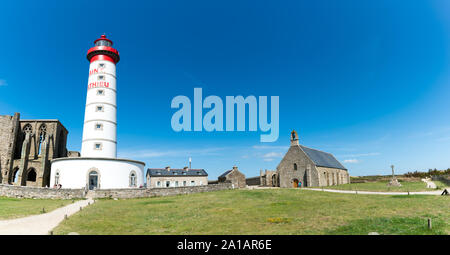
97 173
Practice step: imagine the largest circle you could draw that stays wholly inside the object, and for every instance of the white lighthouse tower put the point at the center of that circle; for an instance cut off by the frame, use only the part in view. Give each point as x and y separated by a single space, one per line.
100 119
98 167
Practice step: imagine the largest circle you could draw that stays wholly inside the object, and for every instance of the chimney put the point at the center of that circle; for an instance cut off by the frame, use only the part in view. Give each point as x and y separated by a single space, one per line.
235 168
168 168
186 168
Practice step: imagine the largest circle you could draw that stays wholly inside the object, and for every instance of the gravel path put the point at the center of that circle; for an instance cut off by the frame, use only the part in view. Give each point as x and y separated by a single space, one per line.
40 224
435 192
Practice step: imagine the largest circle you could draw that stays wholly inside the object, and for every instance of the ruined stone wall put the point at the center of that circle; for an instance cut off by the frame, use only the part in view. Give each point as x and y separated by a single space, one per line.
32 154
56 135
269 178
9 126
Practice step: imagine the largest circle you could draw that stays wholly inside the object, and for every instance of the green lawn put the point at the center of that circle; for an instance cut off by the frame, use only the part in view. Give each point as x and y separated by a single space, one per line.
274 211
16 208
382 186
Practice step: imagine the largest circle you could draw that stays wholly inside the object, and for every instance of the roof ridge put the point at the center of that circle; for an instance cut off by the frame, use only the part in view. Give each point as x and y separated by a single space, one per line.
315 149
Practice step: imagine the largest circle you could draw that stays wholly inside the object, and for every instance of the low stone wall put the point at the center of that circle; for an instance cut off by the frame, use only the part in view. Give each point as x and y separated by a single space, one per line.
158 192
32 192
442 178
38 192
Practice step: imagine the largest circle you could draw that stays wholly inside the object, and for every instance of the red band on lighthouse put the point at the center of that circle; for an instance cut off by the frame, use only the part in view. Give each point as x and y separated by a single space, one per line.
102 57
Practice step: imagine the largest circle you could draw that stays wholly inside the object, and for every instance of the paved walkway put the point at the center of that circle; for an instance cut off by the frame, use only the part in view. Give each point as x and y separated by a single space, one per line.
434 192
429 183
40 224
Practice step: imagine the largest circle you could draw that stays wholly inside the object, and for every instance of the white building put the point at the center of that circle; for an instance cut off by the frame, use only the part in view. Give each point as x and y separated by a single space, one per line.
167 177
98 167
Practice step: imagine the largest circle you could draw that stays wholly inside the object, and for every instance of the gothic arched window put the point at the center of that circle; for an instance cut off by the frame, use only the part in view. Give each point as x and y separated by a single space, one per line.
27 129
15 175
42 134
295 166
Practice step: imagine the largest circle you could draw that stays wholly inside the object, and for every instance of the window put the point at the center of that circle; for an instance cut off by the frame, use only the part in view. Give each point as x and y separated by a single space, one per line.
103 43
133 179
101 77
42 134
97 146
176 183
101 65
158 184
167 184
192 183
98 126
15 175
27 129
295 166
57 178
184 183
99 108
100 92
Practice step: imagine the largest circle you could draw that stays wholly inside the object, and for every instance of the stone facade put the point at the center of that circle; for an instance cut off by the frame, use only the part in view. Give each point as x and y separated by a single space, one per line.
51 193
234 176
305 167
27 148
9 126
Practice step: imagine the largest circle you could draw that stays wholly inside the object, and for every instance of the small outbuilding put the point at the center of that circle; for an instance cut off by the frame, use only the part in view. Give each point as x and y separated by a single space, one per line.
234 176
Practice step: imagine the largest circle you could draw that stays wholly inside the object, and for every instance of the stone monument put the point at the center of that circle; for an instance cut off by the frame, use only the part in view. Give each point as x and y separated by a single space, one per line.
394 182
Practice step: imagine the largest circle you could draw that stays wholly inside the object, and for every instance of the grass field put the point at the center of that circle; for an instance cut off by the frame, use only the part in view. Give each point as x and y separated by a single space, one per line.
274 211
16 208
382 186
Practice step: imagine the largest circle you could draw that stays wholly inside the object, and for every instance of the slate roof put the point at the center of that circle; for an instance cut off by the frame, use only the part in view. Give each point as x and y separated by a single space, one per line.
176 172
323 159
225 174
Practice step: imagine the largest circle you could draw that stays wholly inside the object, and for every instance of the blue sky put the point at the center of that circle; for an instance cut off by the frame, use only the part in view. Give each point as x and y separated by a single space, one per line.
366 81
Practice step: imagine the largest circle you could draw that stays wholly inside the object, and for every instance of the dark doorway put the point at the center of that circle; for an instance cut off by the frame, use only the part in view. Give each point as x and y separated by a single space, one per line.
295 183
31 175
93 180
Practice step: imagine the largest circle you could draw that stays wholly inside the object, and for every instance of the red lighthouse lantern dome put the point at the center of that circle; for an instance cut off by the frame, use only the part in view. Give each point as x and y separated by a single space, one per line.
103 50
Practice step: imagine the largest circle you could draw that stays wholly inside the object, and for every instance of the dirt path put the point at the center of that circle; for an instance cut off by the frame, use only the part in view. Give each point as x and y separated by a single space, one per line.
435 192
40 224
